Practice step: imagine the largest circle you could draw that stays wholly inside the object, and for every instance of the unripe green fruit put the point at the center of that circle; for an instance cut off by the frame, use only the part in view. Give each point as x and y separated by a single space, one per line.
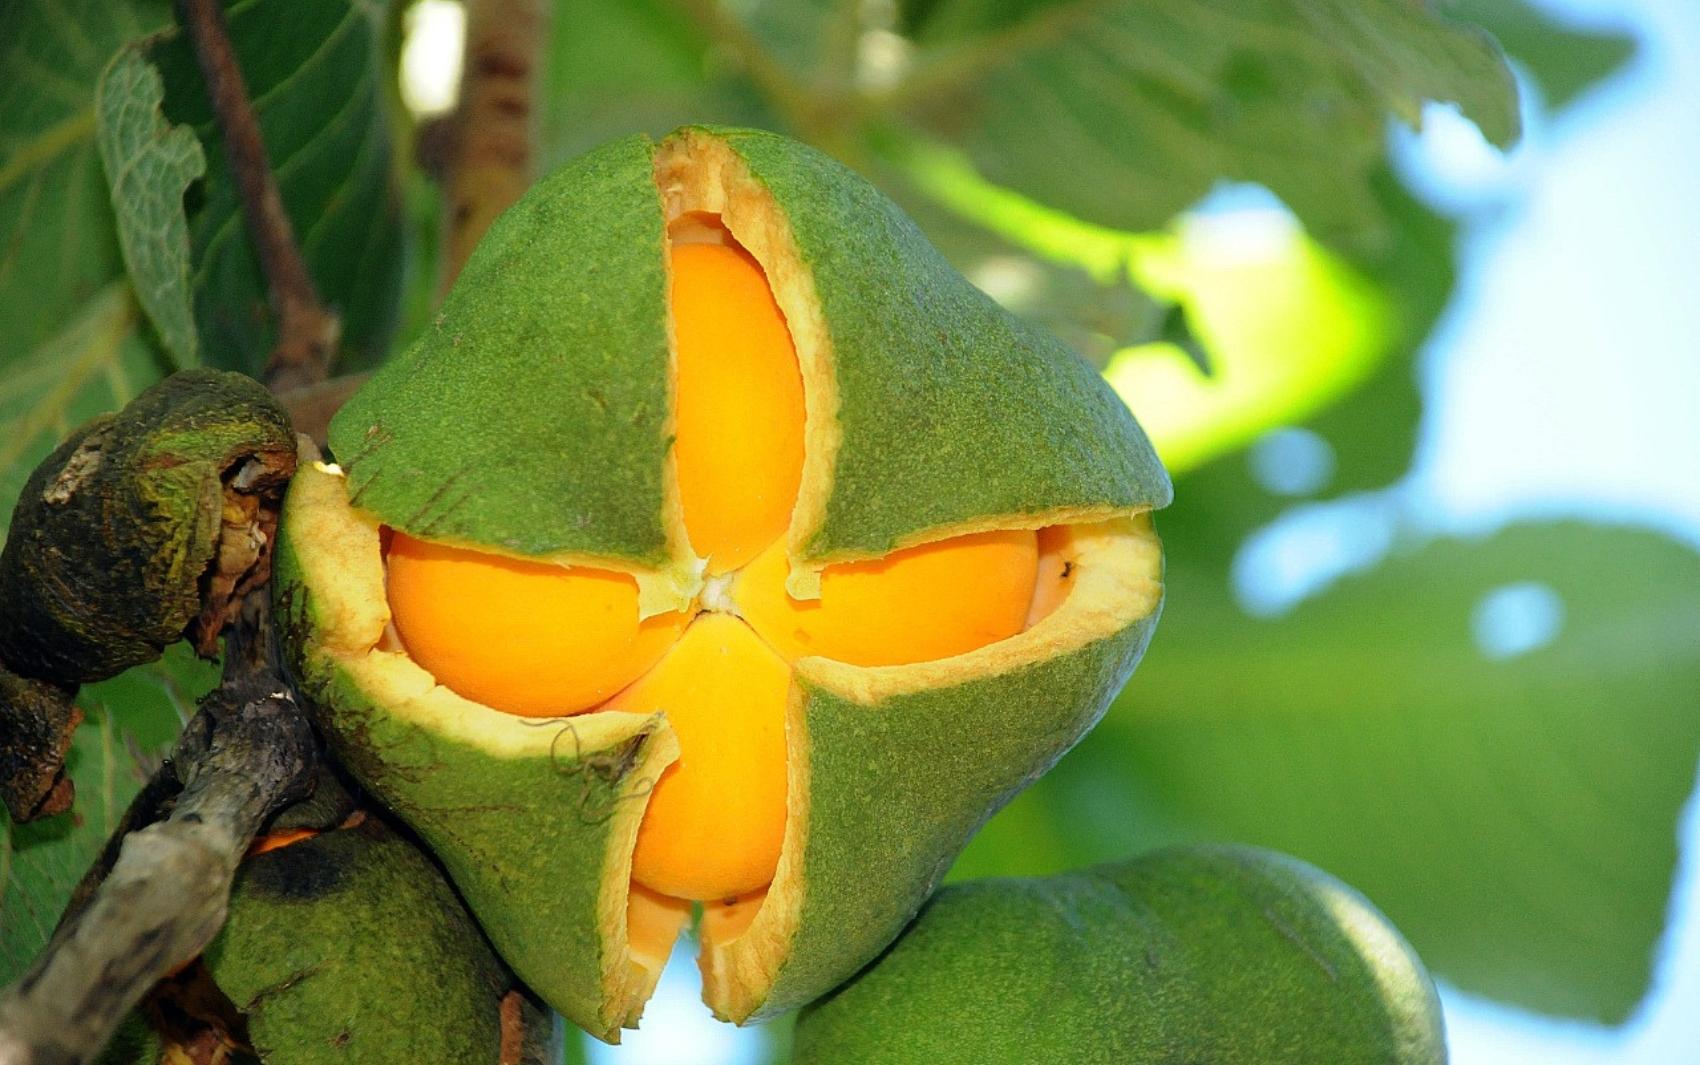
1225 955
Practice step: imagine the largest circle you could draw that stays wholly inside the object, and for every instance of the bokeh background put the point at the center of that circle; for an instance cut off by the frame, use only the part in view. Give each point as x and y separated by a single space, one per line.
1430 393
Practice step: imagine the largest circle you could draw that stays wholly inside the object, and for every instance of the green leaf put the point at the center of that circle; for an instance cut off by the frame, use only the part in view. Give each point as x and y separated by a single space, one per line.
130 724
1515 816
1370 431
149 163
1124 113
1094 316
313 69
57 243
1208 954
68 344
1563 61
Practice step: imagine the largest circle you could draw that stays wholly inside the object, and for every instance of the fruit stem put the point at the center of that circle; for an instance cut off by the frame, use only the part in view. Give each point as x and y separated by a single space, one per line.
307 332
158 895
492 141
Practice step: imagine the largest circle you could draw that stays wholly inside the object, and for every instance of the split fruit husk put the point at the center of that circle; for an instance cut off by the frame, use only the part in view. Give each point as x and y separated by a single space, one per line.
143 528
534 419
1208 954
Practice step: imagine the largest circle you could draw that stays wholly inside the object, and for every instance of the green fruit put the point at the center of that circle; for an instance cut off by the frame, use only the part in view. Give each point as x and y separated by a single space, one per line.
343 946
1207 954
349 947
534 420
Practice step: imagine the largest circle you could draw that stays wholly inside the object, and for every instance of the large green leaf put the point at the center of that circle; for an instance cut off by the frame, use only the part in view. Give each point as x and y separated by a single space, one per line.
1515 816
72 342
1563 60
67 319
131 722
1125 112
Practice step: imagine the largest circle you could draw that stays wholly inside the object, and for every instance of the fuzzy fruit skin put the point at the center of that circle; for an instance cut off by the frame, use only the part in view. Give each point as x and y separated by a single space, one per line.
532 419
1206 954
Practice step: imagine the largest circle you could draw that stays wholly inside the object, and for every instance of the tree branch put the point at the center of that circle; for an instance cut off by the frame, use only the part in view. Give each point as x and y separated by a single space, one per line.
492 143
307 333
246 754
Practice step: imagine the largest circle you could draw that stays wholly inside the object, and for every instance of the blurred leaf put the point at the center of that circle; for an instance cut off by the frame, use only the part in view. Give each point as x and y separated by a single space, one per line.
131 722
1125 113
640 65
1515 816
1369 430
1563 61
313 71
817 38
1289 328
1094 316
149 163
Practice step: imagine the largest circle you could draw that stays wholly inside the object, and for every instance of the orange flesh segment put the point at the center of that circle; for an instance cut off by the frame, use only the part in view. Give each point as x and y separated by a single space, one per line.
725 921
527 638
738 408
653 922
1056 574
913 605
717 816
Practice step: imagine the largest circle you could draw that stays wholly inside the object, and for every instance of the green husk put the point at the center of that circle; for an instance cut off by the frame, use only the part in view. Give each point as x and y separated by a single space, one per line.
1208 954
534 420
532 416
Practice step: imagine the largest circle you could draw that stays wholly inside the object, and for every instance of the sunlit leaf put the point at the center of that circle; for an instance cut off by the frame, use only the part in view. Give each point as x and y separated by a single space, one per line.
131 722
1289 326
148 165
1511 804
1290 329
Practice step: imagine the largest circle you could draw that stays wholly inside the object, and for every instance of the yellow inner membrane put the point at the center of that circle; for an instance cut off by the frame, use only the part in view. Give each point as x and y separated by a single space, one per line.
540 639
